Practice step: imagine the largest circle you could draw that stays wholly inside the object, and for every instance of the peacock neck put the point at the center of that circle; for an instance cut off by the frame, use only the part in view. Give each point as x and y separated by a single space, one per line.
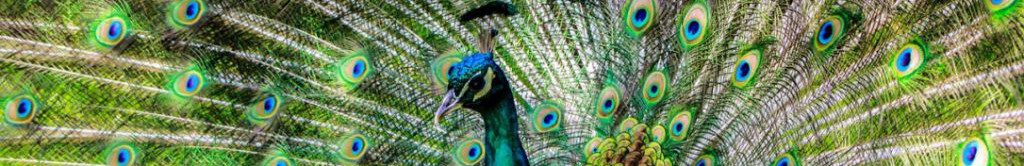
502 129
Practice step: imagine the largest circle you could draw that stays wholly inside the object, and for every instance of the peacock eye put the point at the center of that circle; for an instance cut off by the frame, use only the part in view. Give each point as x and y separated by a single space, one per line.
477 83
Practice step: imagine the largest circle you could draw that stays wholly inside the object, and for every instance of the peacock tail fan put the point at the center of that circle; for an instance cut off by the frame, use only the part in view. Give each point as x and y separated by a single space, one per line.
511 82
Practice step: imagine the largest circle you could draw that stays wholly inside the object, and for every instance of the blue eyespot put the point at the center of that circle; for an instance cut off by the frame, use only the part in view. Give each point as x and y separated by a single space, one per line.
640 18
787 159
262 110
678 125
357 146
997 2
191 10
653 86
692 26
909 60
188 83
783 162
354 147
970 153
110 31
469 152
904 60
974 151
268 105
692 30
607 102
277 161
115 30
353 70
357 70
677 128
19 110
547 116
191 83
825 32
549 120
653 91
186 13
474 152
24 108
743 71
707 160
122 156
592 146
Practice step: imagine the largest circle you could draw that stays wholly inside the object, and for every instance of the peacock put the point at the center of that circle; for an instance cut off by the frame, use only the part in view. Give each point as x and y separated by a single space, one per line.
512 82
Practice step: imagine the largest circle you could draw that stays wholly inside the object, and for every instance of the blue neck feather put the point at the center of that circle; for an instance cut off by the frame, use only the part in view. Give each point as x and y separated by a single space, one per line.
502 130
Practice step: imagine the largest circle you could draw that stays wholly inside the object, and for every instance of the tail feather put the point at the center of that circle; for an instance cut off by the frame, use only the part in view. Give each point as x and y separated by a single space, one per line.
324 82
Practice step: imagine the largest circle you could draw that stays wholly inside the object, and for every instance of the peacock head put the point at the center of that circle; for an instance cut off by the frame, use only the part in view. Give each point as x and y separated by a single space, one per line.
476 83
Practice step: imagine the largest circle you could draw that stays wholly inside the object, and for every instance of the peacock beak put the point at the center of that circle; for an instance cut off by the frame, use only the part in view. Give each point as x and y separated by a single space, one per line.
449 103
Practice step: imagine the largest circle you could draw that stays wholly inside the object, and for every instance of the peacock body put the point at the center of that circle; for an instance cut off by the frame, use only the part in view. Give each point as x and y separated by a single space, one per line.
633 82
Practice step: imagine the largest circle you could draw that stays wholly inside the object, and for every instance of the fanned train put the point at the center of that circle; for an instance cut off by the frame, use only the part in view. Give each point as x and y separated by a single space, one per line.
512 82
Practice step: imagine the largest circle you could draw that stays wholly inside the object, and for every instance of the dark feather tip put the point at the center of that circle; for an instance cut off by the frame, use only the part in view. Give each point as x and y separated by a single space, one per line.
493 7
